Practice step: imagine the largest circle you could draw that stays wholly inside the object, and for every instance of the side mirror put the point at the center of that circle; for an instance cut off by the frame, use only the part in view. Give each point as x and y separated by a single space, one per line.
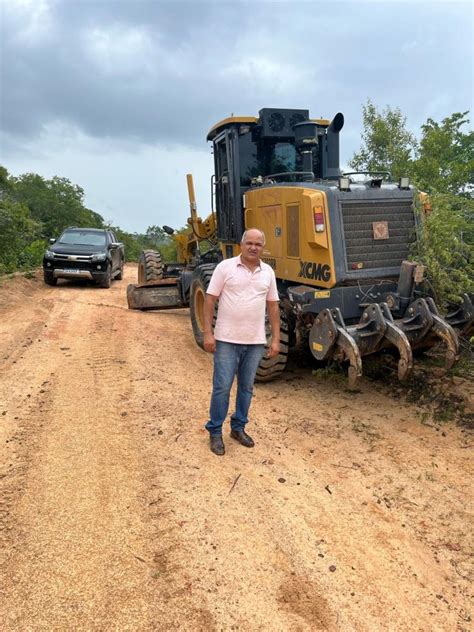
52 240
114 245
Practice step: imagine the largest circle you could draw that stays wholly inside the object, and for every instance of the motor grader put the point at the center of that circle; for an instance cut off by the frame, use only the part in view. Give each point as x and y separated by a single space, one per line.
338 243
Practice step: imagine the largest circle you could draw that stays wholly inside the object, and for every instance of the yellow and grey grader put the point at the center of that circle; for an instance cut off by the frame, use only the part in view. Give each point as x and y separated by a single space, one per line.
338 243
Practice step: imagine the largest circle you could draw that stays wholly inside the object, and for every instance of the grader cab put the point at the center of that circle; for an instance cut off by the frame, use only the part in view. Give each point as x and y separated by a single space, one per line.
339 245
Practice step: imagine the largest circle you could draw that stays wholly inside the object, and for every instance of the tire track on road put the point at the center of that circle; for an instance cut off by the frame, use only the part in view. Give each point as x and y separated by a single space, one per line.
82 550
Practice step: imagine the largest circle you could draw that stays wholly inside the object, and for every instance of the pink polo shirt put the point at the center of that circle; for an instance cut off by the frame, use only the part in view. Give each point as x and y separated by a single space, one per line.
242 298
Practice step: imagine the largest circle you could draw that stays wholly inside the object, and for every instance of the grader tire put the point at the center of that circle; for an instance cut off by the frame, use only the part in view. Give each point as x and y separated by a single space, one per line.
270 368
150 267
199 284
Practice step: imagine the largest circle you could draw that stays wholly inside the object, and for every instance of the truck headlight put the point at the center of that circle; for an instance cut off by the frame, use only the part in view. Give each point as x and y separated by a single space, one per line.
49 254
101 256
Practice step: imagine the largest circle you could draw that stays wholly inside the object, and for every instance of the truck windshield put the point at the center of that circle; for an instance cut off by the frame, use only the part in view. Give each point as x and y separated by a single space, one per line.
82 238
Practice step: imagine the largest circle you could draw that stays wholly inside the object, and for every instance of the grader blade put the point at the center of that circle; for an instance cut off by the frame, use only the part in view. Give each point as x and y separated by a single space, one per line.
163 294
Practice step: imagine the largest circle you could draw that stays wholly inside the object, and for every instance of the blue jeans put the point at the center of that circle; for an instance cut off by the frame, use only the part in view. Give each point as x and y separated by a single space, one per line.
231 359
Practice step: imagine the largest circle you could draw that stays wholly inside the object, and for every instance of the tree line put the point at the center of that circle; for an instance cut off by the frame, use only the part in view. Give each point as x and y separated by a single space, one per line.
439 161
33 209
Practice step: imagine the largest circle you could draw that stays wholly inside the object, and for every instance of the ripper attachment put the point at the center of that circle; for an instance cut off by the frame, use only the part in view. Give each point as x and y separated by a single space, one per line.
331 338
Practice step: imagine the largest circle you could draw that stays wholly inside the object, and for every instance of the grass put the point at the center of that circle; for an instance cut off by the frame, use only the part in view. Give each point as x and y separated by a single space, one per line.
332 371
367 431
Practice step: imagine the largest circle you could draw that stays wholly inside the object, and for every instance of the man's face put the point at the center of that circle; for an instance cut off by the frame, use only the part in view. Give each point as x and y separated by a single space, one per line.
252 247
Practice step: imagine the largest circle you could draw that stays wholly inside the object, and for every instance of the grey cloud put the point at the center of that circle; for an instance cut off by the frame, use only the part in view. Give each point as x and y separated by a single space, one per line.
118 95
195 63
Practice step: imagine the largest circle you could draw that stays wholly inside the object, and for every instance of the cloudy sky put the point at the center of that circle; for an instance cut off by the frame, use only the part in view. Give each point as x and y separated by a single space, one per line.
118 95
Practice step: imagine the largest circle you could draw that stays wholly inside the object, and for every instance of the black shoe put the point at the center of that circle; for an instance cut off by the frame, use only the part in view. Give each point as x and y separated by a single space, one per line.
217 445
242 437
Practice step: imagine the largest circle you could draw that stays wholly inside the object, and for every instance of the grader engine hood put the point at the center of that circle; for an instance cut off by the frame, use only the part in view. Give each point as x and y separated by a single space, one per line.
322 236
372 231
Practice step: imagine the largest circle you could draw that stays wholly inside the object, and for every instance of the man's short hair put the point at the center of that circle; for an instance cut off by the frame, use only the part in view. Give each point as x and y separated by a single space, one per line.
244 236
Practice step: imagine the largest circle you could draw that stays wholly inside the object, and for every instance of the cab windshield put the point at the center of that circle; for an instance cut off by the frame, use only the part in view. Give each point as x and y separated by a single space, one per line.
82 238
270 156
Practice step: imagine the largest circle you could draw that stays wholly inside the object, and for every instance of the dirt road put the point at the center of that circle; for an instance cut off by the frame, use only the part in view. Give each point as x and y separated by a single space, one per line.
351 513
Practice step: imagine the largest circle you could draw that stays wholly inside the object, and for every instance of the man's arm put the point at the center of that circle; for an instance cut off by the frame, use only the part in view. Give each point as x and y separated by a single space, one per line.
273 310
209 306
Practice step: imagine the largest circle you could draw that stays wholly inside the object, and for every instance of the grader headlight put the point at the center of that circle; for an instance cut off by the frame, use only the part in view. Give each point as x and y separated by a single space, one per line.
344 183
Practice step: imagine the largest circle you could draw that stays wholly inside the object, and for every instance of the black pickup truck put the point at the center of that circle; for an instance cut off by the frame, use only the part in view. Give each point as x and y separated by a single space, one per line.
84 253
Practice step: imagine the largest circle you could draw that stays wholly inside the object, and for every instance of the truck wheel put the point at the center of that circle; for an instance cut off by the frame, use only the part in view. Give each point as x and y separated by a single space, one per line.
107 282
150 267
49 279
119 276
271 368
197 295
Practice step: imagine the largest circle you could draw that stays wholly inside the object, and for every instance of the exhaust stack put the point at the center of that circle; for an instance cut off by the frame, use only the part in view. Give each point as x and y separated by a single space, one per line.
332 146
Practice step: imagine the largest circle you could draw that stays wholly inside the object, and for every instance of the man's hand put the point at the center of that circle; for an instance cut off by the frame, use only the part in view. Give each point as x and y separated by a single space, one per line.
274 349
209 343
209 340
273 311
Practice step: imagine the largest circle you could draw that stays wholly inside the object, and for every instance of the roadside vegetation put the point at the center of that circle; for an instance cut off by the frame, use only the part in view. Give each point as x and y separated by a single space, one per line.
34 209
439 161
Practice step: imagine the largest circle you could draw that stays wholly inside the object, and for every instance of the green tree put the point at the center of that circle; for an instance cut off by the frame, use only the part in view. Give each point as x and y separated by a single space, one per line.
446 246
387 145
33 208
5 182
56 203
132 243
17 232
445 162
157 234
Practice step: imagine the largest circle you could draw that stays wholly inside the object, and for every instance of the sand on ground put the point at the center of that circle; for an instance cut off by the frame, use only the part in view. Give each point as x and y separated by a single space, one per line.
352 512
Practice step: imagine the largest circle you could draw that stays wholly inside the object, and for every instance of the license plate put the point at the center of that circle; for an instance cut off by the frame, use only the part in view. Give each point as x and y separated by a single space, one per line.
73 271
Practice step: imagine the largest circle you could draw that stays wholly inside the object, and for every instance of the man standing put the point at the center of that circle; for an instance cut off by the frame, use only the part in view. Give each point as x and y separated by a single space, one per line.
244 285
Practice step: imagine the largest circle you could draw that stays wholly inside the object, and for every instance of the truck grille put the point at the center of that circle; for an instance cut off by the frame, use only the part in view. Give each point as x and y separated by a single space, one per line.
74 265
365 252
73 258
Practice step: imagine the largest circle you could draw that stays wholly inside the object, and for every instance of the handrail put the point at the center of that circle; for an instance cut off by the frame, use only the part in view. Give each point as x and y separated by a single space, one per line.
290 173
368 173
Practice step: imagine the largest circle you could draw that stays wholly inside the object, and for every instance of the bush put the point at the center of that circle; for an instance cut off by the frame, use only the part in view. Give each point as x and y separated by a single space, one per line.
32 255
17 231
446 246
